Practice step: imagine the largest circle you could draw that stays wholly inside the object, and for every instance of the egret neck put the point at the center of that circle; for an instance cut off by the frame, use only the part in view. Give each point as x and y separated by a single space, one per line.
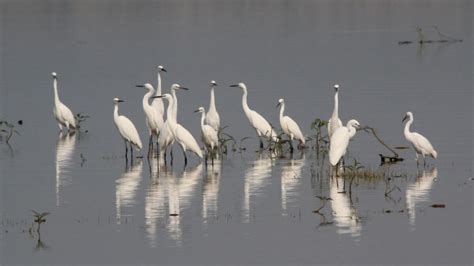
212 104
245 106
55 86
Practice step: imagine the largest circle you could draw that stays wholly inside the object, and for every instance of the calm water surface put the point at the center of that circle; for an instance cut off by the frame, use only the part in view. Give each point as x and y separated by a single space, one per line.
249 208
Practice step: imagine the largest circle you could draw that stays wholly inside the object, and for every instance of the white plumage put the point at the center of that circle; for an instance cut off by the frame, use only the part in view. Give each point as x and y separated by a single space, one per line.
151 114
420 143
61 112
126 128
289 126
340 140
260 124
209 134
180 134
166 138
157 104
332 127
212 116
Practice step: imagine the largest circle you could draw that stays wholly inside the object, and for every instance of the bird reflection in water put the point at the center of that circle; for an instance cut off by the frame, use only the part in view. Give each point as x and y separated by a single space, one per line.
126 187
257 177
210 191
169 194
345 215
65 147
419 192
290 181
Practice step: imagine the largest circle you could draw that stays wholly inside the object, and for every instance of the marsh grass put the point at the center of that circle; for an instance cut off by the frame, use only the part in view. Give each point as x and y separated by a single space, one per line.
7 130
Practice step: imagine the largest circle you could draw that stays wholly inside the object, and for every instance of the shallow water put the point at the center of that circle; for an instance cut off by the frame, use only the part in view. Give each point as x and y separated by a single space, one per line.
249 208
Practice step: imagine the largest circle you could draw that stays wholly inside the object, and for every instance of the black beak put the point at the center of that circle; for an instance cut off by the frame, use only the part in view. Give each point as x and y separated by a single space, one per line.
183 88
164 70
234 85
405 118
140 86
196 110
278 105
158 96
120 101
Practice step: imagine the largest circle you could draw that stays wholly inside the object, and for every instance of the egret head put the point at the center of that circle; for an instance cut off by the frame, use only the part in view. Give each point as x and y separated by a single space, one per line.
408 115
213 83
353 123
178 87
240 85
147 86
117 100
336 87
280 102
161 68
200 110
54 75
166 96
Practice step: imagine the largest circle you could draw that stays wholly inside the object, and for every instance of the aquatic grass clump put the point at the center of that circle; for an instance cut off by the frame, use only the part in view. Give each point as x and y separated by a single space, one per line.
7 129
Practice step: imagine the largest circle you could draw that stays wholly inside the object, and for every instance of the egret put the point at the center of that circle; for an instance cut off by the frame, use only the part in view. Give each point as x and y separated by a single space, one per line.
289 126
257 121
126 129
333 126
340 140
421 144
212 116
152 116
157 104
166 137
181 134
62 113
209 134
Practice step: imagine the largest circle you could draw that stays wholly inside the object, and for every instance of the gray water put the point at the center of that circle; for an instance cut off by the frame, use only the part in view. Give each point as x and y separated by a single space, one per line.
248 208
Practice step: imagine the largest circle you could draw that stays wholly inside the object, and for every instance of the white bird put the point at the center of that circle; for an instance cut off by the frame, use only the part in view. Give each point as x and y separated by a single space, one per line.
157 104
340 140
289 126
181 134
152 116
260 124
166 138
212 116
421 144
332 127
209 134
62 113
126 129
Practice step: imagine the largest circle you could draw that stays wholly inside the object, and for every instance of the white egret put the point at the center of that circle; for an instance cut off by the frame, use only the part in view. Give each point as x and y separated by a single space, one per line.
209 134
157 104
421 144
289 126
126 129
340 140
260 124
333 126
62 113
152 116
212 116
181 134
166 138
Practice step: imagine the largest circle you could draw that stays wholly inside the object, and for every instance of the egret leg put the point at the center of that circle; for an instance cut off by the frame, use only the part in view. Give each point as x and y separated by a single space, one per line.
60 127
171 154
131 150
261 143
126 150
291 146
150 145
185 157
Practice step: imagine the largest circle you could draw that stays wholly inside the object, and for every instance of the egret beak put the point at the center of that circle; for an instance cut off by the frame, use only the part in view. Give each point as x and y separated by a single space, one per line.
405 118
120 101
278 105
164 70
140 86
183 88
157 96
234 85
196 111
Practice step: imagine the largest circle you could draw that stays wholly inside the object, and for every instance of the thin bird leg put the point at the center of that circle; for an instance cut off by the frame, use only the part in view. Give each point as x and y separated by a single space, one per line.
131 150
291 146
150 145
126 150
171 154
185 158
60 127
261 142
